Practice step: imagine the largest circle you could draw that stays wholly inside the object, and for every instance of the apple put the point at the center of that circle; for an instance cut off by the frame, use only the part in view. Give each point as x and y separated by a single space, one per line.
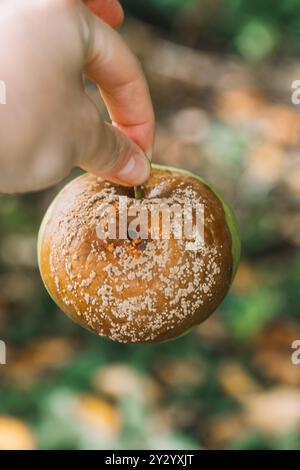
110 272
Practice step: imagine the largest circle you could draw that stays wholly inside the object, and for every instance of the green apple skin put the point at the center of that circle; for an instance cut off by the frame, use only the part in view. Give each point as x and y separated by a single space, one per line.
229 217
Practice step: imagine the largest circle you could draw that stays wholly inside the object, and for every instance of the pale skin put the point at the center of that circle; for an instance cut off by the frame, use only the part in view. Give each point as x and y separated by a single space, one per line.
49 124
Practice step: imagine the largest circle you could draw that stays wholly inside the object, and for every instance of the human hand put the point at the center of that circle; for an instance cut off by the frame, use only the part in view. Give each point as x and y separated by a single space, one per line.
49 124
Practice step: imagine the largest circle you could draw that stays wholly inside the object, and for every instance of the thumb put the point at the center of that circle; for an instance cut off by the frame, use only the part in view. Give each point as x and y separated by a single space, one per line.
106 151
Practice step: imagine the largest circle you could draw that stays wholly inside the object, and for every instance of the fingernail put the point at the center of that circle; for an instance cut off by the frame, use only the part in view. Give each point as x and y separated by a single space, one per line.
135 172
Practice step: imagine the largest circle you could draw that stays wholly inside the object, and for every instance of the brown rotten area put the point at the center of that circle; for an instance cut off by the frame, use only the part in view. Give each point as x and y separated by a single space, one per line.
133 290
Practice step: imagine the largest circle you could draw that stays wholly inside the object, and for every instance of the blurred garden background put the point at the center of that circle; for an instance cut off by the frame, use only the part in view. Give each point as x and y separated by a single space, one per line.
220 74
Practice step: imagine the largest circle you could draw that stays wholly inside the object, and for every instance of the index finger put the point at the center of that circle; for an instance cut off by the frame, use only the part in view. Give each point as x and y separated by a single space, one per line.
122 84
109 10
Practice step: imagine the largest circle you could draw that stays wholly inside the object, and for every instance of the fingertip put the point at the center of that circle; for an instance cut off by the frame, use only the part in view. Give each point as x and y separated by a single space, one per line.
134 171
109 11
118 20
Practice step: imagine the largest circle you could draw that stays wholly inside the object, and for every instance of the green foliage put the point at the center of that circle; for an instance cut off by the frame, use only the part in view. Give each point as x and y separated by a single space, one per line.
255 29
251 441
17 216
159 11
248 315
291 288
256 40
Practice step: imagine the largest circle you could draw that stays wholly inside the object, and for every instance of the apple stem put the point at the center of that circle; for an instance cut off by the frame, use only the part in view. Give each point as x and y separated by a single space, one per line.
138 193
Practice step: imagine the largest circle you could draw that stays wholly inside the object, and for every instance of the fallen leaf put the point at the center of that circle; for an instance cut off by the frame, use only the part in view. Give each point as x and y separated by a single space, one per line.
275 412
27 365
119 380
281 125
98 417
178 374
224 428
241 106
265 163
15 434
236 381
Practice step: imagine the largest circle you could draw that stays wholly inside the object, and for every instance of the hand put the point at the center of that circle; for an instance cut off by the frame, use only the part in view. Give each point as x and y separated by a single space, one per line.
49 124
